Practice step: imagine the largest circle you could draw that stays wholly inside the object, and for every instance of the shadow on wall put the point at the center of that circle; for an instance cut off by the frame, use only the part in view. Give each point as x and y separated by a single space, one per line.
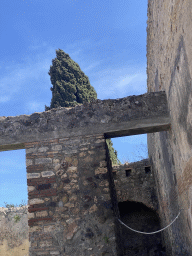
141 218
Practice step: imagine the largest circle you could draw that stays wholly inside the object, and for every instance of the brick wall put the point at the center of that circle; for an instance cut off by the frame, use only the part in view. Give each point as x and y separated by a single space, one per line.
135 182
69 209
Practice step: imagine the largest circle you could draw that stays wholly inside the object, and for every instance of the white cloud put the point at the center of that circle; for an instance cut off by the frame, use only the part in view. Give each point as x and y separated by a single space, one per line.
121 82
125 81
92 66
4 99
19 76
34 106
110 82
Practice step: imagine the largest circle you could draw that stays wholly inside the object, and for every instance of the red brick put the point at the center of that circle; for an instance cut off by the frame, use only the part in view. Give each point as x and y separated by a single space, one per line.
31 209
39 155
38 181
36 193
32 221
43 195
31 144
29 156
38 167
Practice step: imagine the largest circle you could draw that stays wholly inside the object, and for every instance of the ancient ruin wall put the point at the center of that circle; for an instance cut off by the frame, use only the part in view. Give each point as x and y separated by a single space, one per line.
69 198
135 182
72 198
126 116
169 68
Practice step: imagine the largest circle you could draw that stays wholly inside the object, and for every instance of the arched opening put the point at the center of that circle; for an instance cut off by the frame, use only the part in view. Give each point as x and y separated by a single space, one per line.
141 218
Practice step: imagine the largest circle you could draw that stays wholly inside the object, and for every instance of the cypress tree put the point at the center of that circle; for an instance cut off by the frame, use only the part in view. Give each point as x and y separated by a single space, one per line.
72 87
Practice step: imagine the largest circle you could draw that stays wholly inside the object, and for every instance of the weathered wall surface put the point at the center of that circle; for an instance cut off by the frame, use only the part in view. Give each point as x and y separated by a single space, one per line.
135 182
126 116
169 68
14 237
69 197
73 207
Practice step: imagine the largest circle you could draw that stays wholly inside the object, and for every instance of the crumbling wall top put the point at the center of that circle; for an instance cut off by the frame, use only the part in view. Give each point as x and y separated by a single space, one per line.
119 117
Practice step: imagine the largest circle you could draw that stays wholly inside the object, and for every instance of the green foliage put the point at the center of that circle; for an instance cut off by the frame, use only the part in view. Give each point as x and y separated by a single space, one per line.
17 218
12 205
106 239
72 87
112 153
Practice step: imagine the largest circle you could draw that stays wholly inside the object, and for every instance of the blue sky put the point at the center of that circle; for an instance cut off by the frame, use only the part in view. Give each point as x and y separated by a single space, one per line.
106 38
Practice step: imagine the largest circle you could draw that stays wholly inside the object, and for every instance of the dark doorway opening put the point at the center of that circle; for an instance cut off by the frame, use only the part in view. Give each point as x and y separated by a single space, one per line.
147 169
128 172
141 218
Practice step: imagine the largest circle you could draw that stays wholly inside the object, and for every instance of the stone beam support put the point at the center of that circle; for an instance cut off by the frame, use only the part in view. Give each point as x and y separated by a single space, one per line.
120 117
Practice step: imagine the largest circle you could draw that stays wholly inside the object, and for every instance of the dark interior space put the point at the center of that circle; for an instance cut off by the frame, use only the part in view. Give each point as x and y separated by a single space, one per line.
141 218
128 172
147 169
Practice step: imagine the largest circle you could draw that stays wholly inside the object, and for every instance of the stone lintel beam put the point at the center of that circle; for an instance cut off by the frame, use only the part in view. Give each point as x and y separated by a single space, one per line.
120 117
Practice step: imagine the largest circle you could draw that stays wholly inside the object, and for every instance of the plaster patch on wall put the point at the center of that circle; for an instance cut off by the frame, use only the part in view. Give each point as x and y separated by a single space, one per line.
180 95
185 179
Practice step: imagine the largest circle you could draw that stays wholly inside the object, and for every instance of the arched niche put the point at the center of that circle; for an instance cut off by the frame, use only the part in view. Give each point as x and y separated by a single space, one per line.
141 218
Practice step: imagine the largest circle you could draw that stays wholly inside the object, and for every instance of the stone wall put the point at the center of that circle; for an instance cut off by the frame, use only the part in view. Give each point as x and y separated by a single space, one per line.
69 198
169 69
132 182
114 118
73 206
14 236
135 182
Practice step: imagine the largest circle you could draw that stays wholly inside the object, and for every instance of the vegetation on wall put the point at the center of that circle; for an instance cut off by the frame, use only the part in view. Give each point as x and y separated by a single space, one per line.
72 87
112 153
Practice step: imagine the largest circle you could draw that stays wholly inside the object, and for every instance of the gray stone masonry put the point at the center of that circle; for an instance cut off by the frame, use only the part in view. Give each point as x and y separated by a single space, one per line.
169 69
135 182
69 199
72 198
121 117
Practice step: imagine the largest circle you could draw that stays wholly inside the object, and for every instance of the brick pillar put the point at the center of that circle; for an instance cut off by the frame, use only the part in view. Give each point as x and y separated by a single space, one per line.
69 209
